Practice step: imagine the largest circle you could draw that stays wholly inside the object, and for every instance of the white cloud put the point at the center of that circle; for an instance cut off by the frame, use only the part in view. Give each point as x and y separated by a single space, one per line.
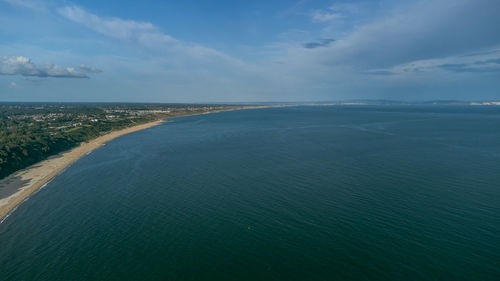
324 16
147 35
35 5
144 33
344 7
334 12
13 84
89 69
487 62
24 66
419 31
434 39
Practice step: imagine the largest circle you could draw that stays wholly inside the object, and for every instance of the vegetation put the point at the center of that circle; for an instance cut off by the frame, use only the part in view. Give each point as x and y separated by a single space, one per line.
33 132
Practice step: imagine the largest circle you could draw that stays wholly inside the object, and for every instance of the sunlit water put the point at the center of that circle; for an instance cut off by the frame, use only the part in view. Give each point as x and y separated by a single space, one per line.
302 193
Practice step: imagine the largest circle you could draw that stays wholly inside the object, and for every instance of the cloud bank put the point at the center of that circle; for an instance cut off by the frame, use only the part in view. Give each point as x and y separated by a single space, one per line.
25 67
414 49
473 63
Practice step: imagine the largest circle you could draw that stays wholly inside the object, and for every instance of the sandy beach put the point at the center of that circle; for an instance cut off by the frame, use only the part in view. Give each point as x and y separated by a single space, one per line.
15 188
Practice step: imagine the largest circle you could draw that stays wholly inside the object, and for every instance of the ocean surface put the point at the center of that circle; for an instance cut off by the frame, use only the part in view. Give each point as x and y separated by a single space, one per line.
299 193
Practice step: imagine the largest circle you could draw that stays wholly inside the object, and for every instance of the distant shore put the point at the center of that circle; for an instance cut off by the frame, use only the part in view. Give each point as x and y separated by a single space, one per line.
16 188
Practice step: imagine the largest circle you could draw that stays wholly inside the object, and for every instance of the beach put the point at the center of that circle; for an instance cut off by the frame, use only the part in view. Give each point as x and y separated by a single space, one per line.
17 187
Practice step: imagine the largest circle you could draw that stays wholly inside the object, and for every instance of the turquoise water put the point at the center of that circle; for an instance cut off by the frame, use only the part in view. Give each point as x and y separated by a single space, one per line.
302 193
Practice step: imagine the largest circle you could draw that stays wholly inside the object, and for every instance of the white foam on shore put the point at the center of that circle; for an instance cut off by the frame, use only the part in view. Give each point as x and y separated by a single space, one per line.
8 214
62 171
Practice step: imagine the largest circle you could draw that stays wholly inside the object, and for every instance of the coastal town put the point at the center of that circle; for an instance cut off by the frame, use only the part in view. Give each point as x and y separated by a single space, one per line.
56 117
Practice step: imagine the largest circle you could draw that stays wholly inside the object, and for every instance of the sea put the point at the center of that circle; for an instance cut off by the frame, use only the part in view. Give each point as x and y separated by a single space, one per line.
298 193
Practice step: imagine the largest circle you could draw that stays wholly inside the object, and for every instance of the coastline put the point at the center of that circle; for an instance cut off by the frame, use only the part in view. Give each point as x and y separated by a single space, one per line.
19 186
28 181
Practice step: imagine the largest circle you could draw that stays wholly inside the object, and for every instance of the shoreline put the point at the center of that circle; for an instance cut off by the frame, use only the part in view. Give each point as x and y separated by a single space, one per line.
20 185
24 183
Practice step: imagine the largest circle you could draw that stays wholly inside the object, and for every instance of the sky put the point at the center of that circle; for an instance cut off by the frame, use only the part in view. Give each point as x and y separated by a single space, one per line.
249 51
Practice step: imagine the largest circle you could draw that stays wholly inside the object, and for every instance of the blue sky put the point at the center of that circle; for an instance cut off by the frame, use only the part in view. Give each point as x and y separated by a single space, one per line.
248 51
